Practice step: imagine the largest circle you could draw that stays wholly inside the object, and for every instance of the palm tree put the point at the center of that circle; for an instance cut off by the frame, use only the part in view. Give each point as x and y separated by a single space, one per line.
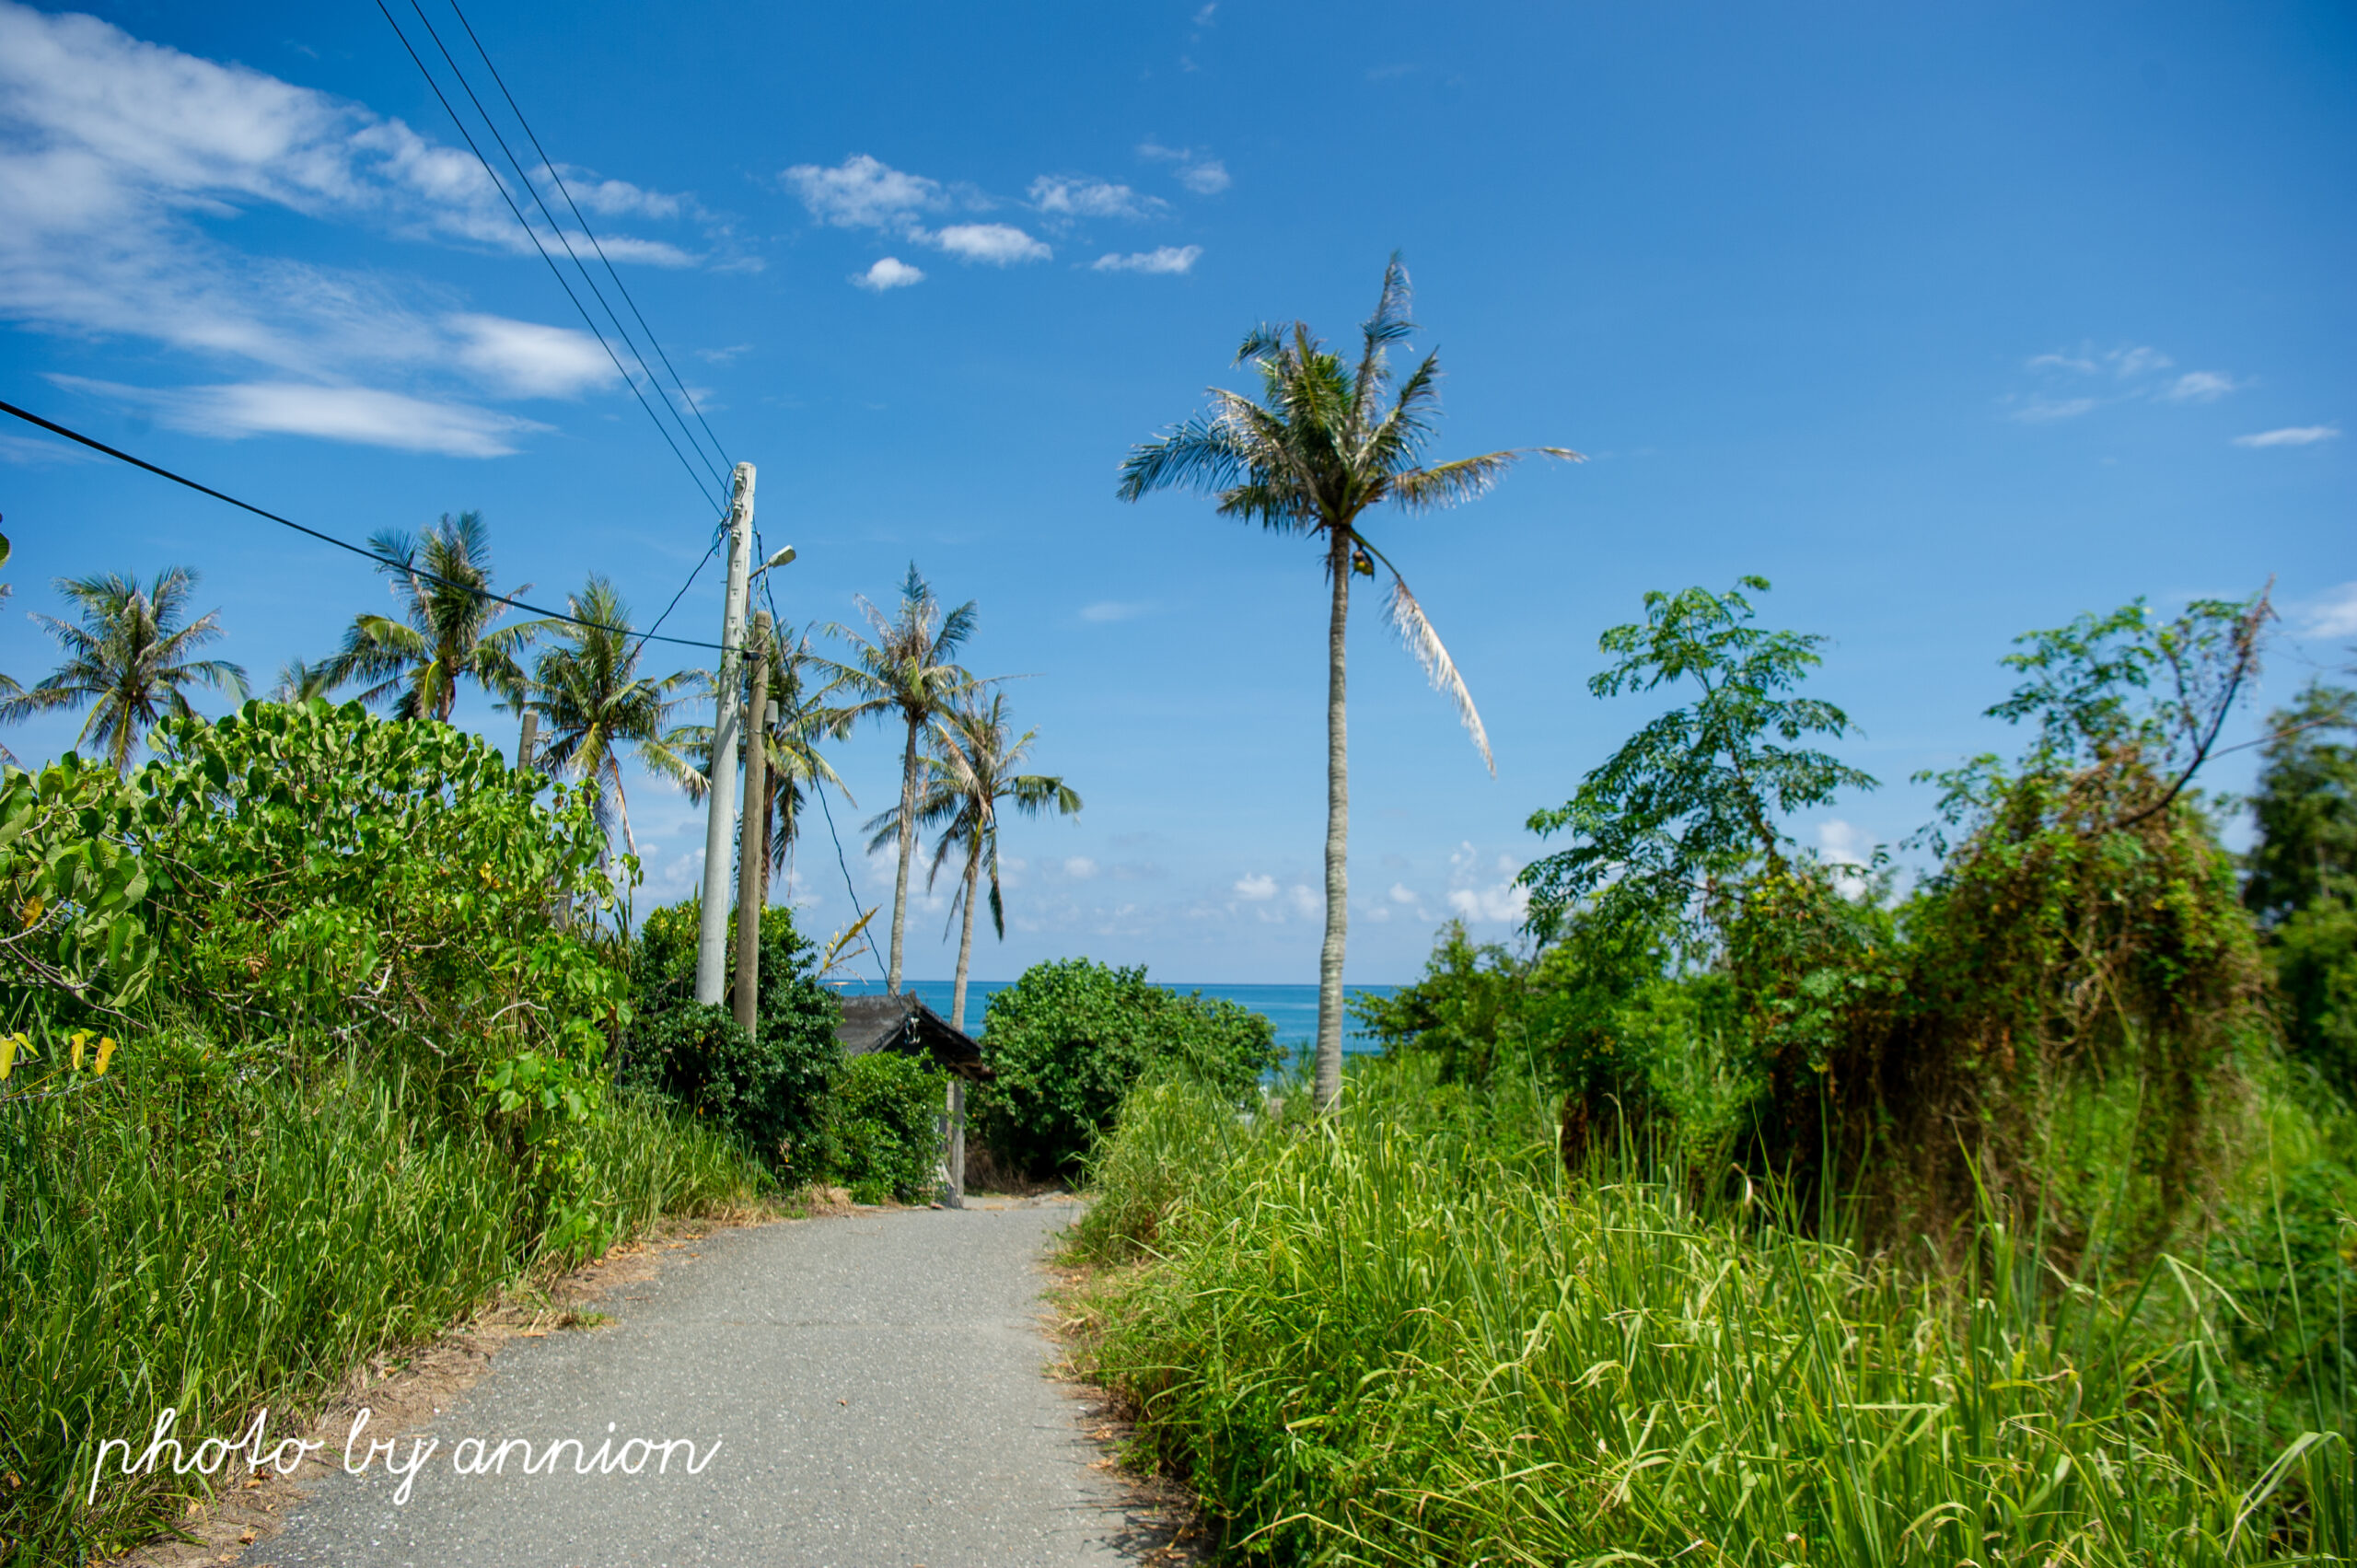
593 702
129 659
799 720
299 681
906 670
442 579
8 687
1326 443
968 770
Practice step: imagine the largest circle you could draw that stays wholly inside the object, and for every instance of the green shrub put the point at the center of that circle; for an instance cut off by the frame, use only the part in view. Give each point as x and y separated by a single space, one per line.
1072 1037
771 1088
883 1137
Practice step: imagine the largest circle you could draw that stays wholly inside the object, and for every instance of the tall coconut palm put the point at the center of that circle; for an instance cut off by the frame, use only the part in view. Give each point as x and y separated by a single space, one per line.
442 580
969 768
1326 443
593 703
301 681
800 719
906 670
128 660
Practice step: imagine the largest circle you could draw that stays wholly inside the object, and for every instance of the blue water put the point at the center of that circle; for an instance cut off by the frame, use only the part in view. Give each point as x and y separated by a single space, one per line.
1292 1008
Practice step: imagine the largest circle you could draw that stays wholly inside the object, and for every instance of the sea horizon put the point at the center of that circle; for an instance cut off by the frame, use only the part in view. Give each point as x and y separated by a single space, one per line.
1291 1007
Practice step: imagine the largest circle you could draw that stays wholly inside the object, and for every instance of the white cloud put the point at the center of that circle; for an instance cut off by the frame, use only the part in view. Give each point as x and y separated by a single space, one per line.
527 360
1305 902
2129 363
2199 387
2038 409
1505 902
1075 197
1259 885
111 151
2292 436
1203 176
1203 16
362 415
1208 178
2334 615
1400 894
1845 843
996 243
1162 258
1114 609
1080 869
863 192
890 273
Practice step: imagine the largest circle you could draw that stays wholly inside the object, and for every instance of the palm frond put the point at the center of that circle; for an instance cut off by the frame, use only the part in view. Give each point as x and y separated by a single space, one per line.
1408 619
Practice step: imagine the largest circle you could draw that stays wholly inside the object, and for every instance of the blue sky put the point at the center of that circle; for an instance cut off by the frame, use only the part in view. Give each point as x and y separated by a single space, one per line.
1951 321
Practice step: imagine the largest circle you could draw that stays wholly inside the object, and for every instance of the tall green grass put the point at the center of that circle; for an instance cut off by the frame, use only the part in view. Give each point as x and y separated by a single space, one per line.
196 1239
1401 1336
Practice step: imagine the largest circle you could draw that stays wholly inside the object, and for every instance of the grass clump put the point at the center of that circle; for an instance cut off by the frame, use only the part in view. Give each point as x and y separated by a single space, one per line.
1402 1335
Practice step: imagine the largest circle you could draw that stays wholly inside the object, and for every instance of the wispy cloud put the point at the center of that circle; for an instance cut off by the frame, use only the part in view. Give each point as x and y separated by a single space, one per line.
1258 887
1201 173
2074 382
2291 435
1161 258
1109 610
1071 196
362 415
888 272
2331 614
113 148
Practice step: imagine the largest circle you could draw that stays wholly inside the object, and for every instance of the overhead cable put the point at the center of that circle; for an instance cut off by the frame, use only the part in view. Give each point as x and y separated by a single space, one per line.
550 164
693 476
382 560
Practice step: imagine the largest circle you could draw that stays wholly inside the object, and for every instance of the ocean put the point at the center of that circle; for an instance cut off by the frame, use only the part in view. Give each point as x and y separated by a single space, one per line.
1292 1008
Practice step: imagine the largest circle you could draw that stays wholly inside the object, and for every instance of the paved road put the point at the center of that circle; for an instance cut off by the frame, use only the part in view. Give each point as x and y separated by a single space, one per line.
877 1386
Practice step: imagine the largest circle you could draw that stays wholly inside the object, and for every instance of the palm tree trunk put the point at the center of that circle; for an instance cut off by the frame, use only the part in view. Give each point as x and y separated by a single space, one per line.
908 847
1329 1087
965 938
622 803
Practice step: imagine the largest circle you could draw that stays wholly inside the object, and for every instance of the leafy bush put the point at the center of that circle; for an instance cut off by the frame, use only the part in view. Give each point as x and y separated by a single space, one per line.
883 1137
1072 1037
773 1087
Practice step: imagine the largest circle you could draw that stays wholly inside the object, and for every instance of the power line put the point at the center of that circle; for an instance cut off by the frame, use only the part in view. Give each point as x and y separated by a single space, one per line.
558 230
394 562
710 550
550 164
694 477
820 790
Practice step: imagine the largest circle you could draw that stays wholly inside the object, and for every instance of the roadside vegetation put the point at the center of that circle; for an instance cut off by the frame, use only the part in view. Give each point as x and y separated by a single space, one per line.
1756 1210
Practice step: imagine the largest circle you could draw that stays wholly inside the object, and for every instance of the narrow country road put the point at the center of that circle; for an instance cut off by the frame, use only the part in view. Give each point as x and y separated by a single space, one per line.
877 1384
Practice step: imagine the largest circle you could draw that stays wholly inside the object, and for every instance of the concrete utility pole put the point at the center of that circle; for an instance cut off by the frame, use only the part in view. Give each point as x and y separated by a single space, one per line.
529 746
720 825
752 841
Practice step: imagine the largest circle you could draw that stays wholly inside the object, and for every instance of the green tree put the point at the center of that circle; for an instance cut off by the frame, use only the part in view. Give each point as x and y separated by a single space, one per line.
129 660
1673 822
800 719
2305 808
589 694
442 579
1326 443
2301 877
907 671
969 768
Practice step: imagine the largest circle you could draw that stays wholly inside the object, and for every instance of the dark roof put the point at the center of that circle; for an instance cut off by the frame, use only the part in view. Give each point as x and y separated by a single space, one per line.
902 1023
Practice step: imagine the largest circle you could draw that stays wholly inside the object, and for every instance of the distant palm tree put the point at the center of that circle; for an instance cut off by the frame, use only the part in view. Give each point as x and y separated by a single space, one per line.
969 768
906 670
442 579
128 660
299 681
800 718
1326 443
593 702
